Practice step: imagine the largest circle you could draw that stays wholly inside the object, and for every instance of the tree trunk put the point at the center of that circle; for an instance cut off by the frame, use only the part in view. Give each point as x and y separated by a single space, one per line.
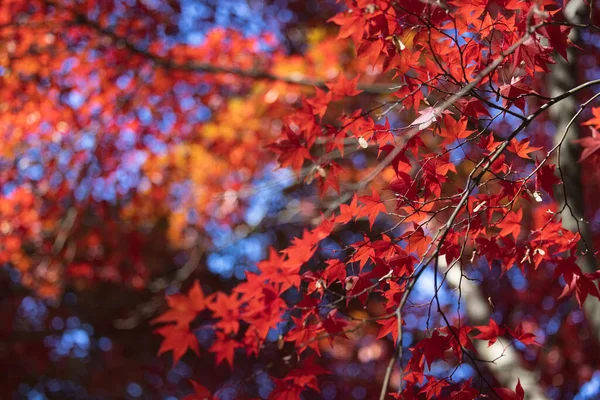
563 78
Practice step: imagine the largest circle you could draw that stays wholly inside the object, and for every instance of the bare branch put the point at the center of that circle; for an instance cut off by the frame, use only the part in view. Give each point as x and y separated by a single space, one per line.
507 367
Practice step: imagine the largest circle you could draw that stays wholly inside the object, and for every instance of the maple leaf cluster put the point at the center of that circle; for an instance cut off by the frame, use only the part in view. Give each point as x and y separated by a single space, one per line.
419 144
485 220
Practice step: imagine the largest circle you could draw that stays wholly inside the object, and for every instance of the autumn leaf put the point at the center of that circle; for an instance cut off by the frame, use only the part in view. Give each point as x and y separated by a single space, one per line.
183 308
334 271
344 87
489 332
388 325
454 130
526 338
177 340
465 392
433 388
590 144
595 121
546 178
351 25
276 270
320 101
472 107
507 394
427 117
372 207
433 347
513 93
224 348
511 224
521 148
227 310
463 341
334 326
417 242
348 211
297 381
200 392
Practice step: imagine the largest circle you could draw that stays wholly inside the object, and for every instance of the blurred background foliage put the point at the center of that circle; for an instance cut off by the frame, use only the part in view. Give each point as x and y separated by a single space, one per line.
123 180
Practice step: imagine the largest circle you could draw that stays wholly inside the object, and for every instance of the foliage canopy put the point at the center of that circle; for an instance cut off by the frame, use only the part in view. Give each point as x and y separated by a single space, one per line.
367 199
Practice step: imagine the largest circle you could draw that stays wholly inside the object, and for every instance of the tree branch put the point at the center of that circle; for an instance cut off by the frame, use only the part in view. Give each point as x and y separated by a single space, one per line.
507 367
194 66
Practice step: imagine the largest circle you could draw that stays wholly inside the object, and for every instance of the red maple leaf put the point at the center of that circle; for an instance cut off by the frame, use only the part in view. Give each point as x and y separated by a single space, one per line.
463 341
200 392
576 281
224 348
558 36
434 347
418 242
545 178
334 326
389 325
489 332
177 340
371 50
507 394
454 130
302 249
285 390
472 107
358 287
348 211
595 121
466 392
511 224
335 270
276 270
227 310
319 102
306 374
291 151
364 252
404 185
513 93
433 388
590 144
526 338
344 87
372 207
304 336
521 148
352 24
297 381
183 308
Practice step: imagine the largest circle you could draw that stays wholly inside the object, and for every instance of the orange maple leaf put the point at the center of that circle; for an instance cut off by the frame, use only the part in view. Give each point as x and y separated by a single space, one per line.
454 130
418 242
227 310
178 340
596 119
183 308
372 207
344 87
224 348
521 148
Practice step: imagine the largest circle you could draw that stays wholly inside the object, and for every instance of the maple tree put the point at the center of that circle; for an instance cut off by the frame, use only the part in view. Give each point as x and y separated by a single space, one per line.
365 199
